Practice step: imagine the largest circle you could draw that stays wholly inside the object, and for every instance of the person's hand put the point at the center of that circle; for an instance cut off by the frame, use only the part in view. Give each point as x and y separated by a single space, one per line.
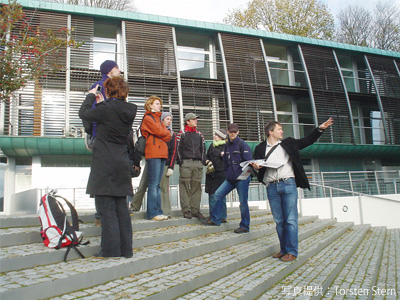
326 124
136 168
99 96
222 153
169 172
256 166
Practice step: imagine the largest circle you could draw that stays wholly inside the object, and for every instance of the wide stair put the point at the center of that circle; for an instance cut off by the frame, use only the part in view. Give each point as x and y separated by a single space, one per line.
183 259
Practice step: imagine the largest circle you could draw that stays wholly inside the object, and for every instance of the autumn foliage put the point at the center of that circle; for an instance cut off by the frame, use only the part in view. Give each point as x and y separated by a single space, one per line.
27 51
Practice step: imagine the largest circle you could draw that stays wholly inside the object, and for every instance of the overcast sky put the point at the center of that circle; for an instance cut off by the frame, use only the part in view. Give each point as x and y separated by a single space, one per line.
215 10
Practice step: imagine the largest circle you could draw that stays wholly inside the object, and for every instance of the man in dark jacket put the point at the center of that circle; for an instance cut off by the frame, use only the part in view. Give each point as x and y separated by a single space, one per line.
282 182
191 150
235 152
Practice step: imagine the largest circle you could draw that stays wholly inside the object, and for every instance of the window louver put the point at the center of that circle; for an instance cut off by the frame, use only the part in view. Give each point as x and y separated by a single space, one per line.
151 65
39 108
250 88
206 98
329 96
387 80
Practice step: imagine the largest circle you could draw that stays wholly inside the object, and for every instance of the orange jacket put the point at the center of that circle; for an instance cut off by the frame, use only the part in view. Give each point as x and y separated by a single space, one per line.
156 134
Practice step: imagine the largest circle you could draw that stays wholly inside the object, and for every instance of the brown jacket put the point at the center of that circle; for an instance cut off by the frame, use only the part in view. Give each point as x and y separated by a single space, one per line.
156 134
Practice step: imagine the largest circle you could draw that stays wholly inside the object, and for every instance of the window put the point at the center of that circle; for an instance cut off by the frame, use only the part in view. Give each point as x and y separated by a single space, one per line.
199 56
106 43
368 125
285 66
295 115
356 75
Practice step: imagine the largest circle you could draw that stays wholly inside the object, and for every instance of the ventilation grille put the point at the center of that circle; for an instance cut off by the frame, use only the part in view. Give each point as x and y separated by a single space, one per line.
249 85
329 95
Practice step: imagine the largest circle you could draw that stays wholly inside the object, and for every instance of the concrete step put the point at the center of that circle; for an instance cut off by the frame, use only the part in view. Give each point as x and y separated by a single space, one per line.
388 281
59 278
315 276
88 217
17 257
13 236
177 279
360 271
255 279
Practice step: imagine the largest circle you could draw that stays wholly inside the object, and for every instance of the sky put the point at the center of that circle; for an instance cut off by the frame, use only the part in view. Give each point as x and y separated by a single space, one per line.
215 10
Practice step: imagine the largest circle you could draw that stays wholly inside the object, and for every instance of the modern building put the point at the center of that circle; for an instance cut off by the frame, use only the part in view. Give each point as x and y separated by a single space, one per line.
222 73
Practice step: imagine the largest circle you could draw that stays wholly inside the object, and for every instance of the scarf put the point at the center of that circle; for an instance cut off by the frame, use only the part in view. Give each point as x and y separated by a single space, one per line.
219 143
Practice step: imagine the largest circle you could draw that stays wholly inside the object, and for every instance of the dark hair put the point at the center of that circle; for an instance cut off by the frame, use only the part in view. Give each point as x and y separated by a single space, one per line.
116 87
270 127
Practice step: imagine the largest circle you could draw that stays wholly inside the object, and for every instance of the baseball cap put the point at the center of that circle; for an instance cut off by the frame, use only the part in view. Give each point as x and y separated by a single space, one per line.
190 116
233 127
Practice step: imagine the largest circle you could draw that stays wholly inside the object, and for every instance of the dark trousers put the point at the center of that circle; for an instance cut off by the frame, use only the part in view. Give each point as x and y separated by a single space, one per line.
116 227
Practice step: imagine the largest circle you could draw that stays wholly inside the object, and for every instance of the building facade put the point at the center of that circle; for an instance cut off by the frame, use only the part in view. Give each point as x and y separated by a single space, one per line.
222 73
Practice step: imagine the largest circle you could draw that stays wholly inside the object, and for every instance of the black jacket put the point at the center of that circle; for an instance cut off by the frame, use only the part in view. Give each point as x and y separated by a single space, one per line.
190 145
110 168
292 147
215 179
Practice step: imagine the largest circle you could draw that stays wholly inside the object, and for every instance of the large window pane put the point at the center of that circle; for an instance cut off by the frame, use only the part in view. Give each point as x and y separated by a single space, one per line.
195 42
276 52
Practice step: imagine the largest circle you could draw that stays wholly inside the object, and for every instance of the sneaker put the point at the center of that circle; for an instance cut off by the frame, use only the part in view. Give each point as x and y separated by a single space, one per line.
224 221
187 215
240 230
159 218
199 216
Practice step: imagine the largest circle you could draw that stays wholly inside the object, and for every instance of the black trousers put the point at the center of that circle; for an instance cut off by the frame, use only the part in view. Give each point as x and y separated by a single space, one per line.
116 227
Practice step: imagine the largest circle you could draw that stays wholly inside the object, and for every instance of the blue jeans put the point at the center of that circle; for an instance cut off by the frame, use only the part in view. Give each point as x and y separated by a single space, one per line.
242 187
211 203
155 168
282 198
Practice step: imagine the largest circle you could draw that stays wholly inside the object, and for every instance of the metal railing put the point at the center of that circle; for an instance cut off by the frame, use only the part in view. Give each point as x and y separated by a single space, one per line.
366 182
323 185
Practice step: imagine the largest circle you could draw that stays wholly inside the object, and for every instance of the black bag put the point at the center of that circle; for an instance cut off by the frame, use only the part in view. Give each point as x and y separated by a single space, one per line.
140 145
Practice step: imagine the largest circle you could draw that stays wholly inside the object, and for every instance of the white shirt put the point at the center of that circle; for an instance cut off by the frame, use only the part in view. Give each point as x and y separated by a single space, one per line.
278 156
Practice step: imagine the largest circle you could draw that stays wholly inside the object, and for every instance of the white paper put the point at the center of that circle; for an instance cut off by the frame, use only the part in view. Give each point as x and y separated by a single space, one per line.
261 163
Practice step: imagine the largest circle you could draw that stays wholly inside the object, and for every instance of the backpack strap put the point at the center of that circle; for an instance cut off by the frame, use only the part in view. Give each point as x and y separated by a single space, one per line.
74 214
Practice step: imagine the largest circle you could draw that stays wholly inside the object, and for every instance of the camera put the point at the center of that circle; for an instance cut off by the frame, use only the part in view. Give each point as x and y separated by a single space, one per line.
98 89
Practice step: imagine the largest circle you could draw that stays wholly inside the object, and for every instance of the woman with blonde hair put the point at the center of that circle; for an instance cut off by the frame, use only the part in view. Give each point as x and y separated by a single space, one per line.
156 154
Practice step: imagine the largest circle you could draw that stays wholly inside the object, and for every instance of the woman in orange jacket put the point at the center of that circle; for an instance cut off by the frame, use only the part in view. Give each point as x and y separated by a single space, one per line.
156 154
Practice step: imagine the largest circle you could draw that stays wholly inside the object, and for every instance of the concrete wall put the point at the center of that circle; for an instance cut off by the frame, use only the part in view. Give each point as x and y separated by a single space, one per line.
384 211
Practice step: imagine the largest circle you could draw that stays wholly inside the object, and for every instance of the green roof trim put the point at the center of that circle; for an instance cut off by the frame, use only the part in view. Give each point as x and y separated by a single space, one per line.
172 21
24 147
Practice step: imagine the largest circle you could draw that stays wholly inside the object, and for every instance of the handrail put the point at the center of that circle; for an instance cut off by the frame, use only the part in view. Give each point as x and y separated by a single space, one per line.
352 192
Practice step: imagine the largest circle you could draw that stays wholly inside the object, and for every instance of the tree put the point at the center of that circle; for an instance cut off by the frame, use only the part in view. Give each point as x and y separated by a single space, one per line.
381 29
355 26
309 18
109 4
26 51
386 33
